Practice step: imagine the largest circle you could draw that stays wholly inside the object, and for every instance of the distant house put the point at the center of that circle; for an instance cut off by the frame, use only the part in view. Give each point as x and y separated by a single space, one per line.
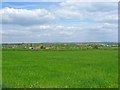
65 44
47 47
37 47
114 45
30 47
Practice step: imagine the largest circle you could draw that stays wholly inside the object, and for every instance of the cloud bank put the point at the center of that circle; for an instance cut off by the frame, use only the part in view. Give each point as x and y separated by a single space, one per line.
67 21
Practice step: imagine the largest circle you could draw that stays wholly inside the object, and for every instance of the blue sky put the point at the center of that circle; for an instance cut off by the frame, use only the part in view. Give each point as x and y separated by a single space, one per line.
59 22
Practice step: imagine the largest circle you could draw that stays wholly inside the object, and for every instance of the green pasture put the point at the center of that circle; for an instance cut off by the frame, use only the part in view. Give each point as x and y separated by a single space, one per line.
60 69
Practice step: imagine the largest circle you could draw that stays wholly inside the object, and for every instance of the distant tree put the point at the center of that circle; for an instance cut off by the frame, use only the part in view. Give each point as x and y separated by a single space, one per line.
42 47
118 44
31 45
95 47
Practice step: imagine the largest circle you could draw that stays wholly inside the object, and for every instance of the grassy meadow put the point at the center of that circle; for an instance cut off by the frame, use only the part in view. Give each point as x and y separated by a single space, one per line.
60 69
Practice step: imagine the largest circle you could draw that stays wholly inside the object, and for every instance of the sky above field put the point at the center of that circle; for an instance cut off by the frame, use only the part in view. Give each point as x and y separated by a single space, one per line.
59 22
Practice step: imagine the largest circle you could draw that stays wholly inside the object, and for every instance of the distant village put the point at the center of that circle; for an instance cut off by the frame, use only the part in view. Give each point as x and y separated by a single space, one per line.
63 46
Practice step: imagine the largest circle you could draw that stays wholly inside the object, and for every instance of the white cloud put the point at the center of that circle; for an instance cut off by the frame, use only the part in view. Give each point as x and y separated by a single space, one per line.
60 0
67 13
67 10
91 0
53 28
39 27
26 17
87 21
98 12
66 32
59 28
52 33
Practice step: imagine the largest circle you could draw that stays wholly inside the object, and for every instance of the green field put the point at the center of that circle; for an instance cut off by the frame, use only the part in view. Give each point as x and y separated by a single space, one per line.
60 69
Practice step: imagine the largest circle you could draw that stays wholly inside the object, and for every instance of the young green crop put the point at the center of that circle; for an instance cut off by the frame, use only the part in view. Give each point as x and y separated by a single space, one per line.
60 69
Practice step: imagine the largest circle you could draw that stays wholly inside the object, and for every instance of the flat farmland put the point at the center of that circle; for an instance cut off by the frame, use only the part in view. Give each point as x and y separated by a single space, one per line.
60 69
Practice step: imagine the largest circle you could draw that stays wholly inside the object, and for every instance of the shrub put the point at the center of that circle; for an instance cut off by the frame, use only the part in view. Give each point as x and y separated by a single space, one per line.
95 47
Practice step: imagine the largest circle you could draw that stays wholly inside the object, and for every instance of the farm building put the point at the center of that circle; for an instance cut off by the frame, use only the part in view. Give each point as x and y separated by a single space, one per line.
31 48
37 47
47 47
